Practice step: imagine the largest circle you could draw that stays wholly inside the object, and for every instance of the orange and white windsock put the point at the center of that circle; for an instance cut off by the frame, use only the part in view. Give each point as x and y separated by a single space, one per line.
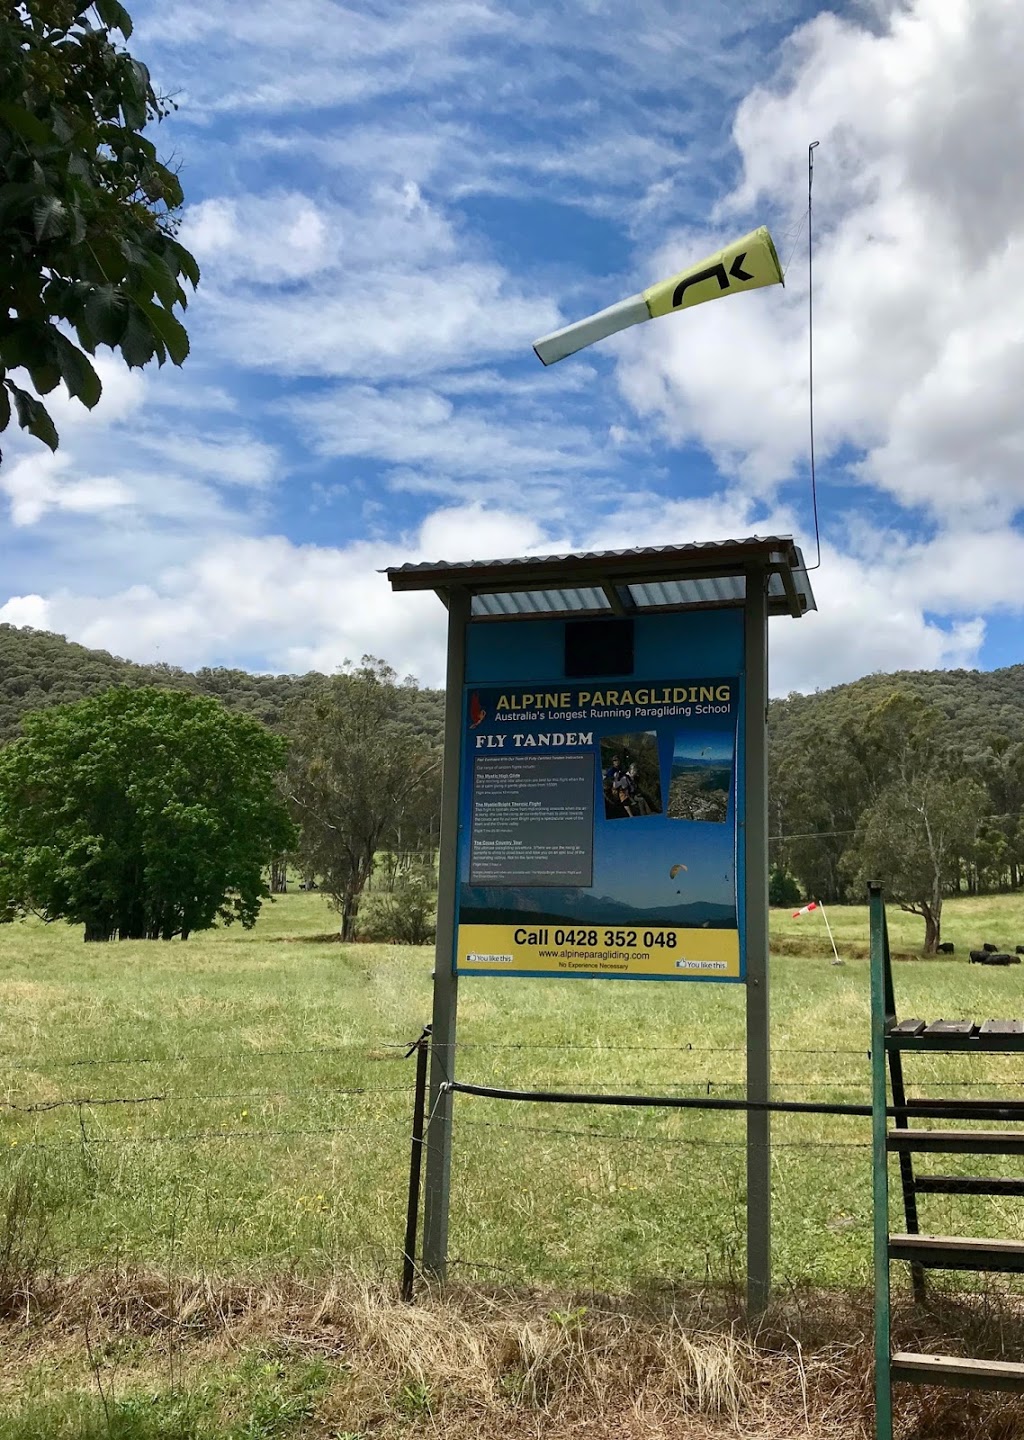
805 909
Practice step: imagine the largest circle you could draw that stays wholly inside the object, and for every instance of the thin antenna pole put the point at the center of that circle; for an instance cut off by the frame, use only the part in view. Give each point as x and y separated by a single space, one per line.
810 345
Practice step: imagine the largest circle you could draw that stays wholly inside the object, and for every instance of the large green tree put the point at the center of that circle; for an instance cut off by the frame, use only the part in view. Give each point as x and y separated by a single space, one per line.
140 814
360 780
87 245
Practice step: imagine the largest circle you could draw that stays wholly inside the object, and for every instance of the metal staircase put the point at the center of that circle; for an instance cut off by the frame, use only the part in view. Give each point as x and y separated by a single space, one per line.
891 1039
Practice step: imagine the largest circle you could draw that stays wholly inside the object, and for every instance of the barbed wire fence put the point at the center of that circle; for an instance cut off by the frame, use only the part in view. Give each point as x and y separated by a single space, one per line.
381 1114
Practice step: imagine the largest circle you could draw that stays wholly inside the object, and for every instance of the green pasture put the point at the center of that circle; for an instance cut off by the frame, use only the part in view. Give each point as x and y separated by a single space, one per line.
269 1127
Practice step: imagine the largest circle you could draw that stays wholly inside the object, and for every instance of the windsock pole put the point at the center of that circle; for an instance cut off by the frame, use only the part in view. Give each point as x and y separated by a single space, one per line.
828 927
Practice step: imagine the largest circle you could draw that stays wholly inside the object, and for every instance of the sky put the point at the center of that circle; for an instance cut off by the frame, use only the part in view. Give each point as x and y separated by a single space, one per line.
391 199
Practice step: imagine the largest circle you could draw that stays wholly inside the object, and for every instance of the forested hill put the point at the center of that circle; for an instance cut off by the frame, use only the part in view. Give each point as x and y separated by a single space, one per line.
978 704
39 669
852 766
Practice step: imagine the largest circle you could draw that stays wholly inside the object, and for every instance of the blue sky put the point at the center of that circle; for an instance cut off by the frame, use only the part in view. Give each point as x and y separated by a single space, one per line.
391 199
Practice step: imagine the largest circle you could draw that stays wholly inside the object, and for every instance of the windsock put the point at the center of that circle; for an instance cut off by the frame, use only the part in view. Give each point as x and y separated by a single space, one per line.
746 264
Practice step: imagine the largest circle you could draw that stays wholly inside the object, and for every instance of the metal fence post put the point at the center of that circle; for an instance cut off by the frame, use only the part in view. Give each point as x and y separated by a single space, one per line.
446 982
412 1214
880 1162
755 842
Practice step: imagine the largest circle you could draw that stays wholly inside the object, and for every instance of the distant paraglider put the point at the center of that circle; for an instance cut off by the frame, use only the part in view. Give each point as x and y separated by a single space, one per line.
674 872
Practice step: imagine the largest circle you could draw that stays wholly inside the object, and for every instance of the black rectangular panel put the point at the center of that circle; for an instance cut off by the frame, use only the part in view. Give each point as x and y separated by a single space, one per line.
598 647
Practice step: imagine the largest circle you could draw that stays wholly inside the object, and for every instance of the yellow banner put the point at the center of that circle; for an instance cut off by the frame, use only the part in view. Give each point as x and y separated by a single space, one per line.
746 264
661 950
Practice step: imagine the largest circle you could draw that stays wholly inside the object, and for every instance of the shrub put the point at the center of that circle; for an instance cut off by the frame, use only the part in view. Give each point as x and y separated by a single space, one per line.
407 915
782 889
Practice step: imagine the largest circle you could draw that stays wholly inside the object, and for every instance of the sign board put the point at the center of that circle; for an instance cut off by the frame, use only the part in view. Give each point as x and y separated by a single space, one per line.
598 834
557 858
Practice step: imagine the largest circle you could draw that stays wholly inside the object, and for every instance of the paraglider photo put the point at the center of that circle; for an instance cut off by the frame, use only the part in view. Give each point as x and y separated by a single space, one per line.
630 777
702 776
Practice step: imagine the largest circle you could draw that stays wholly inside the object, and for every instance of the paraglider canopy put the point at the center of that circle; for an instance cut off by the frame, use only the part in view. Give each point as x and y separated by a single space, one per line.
675 871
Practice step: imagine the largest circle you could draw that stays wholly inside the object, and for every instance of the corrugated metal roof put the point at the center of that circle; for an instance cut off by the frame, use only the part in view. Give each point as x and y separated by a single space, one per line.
655 577
691 547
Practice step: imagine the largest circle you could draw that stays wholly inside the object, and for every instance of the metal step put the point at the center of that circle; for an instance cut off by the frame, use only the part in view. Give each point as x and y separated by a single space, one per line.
959 1252
957 1142
949 1370
967 1185
968 1106
991 1036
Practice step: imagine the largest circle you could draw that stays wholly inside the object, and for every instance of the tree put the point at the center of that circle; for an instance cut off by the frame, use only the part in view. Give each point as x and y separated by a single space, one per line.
924 815
87 242
911 838
783 891
140 814
358 773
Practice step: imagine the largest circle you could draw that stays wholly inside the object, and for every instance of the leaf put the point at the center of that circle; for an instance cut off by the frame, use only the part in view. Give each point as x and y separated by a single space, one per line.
106 314
24 344
25 124
159 183
137 344
33 416
45 377
115 16
185 263
78 227
163 282
76 372
49 216
134 91
110 262
5 407
169 328
78 167
16 198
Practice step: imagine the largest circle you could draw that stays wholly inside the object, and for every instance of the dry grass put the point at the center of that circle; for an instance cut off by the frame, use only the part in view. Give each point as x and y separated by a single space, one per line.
475 1362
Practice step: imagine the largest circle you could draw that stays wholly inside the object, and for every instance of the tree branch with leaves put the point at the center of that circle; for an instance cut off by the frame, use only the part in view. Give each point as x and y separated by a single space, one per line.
88 251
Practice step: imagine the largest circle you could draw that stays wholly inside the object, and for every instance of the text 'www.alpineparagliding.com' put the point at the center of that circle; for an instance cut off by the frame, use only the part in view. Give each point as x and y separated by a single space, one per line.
592 955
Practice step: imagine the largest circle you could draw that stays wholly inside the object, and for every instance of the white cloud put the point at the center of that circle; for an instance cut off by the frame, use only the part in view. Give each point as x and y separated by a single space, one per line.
440 447
919 363
866 622
313 53
309 606
381 286
40 483
31 610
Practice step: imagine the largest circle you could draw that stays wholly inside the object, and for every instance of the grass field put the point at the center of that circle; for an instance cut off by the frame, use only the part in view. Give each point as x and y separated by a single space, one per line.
237 1107
244 1149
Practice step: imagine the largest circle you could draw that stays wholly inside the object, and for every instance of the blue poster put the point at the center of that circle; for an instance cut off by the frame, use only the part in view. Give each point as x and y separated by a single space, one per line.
598 833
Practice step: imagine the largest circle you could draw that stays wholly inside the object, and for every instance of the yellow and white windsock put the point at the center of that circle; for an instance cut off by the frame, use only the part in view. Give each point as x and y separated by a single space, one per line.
746 264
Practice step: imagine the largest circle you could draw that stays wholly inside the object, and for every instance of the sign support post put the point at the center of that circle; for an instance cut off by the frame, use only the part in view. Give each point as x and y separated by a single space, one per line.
446 981
755 841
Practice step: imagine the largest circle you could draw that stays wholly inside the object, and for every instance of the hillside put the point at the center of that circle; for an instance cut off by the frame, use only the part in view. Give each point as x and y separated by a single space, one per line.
823 775
39 669
978 704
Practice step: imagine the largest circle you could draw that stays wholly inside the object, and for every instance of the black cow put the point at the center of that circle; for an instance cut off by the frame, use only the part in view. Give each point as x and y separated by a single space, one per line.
992 949
946 948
